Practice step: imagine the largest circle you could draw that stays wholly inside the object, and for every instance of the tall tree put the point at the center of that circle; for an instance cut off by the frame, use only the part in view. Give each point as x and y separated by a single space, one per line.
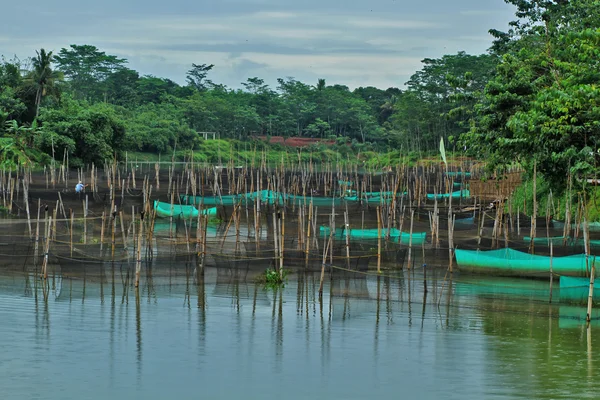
196 77
543 105
42 76
87 68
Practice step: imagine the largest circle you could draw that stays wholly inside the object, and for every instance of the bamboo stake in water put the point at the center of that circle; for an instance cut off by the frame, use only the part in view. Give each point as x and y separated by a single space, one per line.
379 240
138 262
410 237
591 292
325 249
26 201
37 235
46 248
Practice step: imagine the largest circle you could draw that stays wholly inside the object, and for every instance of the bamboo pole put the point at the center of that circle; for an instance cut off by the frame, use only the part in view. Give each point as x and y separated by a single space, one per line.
379 239
138 262
591 293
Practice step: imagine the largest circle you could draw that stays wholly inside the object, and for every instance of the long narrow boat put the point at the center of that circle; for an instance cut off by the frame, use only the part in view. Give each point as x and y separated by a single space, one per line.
418 238
226 200
510 262
462 174
560 240
592 226
164 210
455 195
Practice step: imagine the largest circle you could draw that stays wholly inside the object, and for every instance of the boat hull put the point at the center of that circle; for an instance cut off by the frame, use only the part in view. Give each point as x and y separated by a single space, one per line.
510 262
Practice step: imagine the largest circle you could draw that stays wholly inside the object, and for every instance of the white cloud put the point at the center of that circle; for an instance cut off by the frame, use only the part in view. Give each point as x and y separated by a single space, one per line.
270 39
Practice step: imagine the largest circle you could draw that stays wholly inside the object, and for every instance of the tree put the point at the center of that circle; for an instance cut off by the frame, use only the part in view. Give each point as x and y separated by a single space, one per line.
543 105
89 133
42 76
87 68
196 77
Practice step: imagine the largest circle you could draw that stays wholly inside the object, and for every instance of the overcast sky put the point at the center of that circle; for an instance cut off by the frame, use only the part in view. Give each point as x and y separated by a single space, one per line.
351 42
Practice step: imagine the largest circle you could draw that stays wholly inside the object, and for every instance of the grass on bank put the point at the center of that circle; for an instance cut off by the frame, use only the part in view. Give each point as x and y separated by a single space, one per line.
552 203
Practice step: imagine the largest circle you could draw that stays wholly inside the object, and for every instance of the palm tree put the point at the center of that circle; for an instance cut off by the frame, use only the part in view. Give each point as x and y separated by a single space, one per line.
321 84
43 76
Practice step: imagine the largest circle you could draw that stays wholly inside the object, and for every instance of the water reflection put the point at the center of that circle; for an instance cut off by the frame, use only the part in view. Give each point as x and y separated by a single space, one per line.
368 336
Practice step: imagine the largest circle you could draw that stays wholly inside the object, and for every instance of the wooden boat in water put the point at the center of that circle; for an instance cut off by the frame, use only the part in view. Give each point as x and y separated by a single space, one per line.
465 193
418 238
561 241
510 262
592 226
166 210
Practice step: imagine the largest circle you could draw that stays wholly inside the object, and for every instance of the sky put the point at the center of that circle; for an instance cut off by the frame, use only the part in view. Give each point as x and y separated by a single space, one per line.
351 42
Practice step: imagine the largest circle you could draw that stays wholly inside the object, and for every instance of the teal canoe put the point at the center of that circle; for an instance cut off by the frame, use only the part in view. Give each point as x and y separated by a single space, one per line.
510 262
455 195
418 238
226 200
375 197
164 210
592 226
458 173
560 241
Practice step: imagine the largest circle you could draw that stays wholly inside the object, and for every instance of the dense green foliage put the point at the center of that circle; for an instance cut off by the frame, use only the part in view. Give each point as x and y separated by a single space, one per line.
542 105
89 104
532 99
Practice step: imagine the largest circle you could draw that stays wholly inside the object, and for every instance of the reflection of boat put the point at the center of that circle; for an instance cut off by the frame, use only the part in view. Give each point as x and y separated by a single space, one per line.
568 290
577 290
510 262
576 317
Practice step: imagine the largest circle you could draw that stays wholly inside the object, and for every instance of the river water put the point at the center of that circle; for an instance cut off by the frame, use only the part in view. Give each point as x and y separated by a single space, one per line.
228 338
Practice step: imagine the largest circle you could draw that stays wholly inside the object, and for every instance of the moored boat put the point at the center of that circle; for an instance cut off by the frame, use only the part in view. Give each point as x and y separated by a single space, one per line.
166 210
510 262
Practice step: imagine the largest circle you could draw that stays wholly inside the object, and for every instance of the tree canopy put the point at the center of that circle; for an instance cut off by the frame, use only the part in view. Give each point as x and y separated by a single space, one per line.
532 98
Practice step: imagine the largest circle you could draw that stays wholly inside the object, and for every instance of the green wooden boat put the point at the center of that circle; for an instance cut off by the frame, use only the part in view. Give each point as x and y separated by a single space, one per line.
510 262
317 201
560 241
418 238
374 197
593 226
164 210
458 173
455 195
227 200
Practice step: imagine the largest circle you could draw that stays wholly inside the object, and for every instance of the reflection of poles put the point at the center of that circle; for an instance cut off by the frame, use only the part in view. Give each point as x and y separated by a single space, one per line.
325 250
589 351
551 272
138 328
